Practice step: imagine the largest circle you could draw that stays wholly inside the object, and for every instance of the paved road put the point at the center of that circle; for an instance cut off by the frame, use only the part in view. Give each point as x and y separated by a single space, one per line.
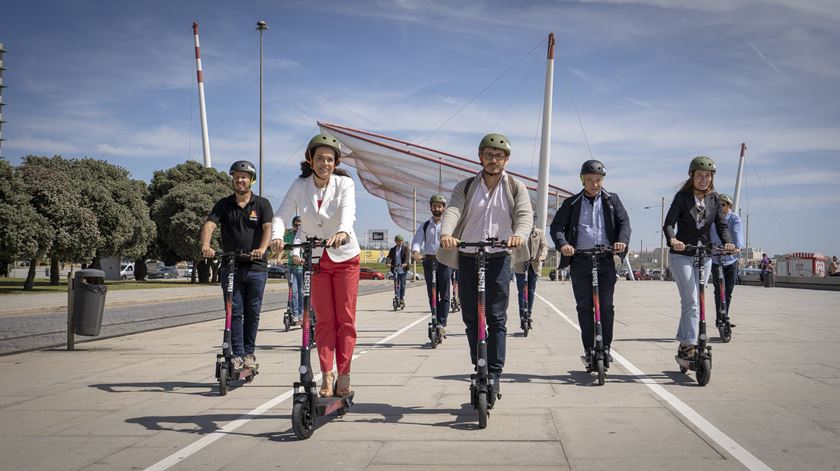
148 401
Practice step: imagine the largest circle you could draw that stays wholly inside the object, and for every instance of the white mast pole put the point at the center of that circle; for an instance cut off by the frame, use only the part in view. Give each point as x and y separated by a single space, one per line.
736 198
205 139
545 143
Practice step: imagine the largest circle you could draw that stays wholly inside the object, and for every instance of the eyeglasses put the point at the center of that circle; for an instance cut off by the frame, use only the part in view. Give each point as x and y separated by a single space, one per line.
494 156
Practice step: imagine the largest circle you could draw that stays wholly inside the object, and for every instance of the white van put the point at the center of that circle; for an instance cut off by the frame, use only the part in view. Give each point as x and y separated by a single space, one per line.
127 271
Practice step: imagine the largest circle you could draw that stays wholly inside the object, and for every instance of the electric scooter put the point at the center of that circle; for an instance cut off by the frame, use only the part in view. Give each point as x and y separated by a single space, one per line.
596 360
289 315
226 373
436 334
701 361
307 405
396 302
722 320
525 322
482 385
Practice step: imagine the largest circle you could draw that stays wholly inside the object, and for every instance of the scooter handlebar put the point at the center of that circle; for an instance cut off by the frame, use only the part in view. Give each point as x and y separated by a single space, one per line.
313 242
490 242
239 255
595 251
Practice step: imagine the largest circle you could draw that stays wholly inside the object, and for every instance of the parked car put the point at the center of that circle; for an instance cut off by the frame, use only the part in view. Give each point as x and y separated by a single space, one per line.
749 273
370 274
164 272
188 271
277 271
656 275
127 271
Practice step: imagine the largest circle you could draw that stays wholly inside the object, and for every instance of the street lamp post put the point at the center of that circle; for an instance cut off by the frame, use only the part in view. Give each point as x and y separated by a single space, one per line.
261 26
661 235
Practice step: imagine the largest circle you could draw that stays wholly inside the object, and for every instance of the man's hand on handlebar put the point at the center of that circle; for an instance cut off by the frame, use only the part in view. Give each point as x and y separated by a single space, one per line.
619 247
448 242
514 241
257 254
567 250
277 245
208 252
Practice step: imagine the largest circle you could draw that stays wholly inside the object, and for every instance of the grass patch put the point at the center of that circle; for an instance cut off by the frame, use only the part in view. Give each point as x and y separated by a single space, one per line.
15 285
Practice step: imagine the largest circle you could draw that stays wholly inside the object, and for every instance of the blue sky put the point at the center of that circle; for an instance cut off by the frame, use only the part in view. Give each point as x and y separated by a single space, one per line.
655 82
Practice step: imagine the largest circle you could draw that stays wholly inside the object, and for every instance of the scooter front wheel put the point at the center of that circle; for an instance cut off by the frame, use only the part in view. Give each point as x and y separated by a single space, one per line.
704 372
433 337
303 424
602 373
725 332
287 322
223 380
482 410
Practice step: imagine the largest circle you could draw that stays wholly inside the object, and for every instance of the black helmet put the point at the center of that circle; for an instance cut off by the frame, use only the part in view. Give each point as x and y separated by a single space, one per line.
244 166
593 167
295 219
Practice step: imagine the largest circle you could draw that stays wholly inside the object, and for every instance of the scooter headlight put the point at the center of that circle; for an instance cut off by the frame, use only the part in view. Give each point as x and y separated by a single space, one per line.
225 345
599 338
303 369
482 362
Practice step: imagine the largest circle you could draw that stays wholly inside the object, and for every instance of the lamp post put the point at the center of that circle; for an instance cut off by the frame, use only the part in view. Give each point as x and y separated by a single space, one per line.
661 235
261 26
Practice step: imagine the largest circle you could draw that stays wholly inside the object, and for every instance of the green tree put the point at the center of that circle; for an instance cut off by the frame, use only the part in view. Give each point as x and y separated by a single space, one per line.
54 194
24 233
180 199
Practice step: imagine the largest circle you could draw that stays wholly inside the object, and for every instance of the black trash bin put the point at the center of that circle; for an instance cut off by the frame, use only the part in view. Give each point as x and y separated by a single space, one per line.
88 301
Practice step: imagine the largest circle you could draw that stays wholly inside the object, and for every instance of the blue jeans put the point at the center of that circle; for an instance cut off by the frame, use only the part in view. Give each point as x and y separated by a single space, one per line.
532 289
444 274
399 290
496 295
294 274
686 275
248 287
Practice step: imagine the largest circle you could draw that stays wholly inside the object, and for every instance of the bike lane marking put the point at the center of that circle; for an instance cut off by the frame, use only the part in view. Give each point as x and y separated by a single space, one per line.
193 448
724 441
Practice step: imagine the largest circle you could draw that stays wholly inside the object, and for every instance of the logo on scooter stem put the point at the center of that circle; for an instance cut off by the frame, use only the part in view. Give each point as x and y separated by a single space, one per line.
481 279
307 275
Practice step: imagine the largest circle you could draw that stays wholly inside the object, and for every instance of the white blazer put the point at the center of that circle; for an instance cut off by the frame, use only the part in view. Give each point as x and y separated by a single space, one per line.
337 214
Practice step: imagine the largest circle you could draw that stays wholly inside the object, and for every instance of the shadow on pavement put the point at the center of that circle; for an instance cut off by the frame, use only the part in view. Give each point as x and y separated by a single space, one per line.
201 424
173 387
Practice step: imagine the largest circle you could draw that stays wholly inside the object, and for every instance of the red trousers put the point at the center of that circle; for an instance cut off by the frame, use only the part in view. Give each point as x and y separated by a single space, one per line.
335 287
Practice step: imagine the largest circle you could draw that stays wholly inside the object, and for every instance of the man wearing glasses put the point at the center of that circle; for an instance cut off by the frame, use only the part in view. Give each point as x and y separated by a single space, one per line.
729 262
489 204
294 272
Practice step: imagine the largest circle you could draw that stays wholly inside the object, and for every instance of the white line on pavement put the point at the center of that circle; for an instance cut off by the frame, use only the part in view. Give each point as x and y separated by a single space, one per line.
745 457
197 446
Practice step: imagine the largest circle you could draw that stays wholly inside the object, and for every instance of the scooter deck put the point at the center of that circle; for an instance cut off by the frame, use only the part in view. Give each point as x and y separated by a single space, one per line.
329 405
685 363
246 374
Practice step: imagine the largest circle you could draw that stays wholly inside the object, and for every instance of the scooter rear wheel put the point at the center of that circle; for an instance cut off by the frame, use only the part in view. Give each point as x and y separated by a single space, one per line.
287 322
602 374
303 424
223 380
704 372
433 337
482 410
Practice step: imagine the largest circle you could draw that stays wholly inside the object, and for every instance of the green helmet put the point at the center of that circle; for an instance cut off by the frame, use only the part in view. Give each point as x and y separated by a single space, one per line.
437 198
496 141
701 162
398 238
725 198
322 140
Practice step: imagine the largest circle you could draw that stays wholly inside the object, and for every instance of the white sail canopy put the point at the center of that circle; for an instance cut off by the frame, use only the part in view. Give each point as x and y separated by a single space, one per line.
392 169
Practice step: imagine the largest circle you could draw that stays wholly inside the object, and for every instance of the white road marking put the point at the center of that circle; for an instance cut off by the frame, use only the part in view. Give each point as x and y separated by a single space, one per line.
206 441
733 448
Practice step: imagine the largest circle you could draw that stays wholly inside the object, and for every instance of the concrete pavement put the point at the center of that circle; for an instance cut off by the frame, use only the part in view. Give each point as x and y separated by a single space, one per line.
135 401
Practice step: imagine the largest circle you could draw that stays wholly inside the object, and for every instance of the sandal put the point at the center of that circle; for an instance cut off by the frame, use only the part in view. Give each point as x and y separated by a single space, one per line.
327 381
342 387
686 351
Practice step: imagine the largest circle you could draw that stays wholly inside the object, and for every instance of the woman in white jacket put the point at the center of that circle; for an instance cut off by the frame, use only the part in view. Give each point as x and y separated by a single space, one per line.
325 198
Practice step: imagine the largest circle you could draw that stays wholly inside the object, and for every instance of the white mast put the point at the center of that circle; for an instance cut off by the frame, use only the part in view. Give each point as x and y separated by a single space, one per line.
205 139
736 198
545 142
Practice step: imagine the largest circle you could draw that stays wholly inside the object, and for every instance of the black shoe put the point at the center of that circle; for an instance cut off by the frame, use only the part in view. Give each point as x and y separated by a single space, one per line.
607 355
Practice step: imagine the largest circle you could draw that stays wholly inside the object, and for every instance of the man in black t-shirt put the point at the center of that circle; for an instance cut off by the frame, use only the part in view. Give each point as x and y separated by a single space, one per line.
245 220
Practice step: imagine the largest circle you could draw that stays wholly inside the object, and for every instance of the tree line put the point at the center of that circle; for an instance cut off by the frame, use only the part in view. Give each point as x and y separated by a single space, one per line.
83 210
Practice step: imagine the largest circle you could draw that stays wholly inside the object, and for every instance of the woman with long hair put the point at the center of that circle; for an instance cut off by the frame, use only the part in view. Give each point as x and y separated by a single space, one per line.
325 199
696 207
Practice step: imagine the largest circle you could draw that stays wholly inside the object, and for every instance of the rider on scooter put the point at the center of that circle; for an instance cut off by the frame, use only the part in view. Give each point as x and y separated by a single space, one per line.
398 261
592 217
294 272
245 221
424 247
730 261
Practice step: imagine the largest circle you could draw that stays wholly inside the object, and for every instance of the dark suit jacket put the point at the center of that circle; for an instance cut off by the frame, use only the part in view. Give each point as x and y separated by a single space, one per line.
564 227
680 222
